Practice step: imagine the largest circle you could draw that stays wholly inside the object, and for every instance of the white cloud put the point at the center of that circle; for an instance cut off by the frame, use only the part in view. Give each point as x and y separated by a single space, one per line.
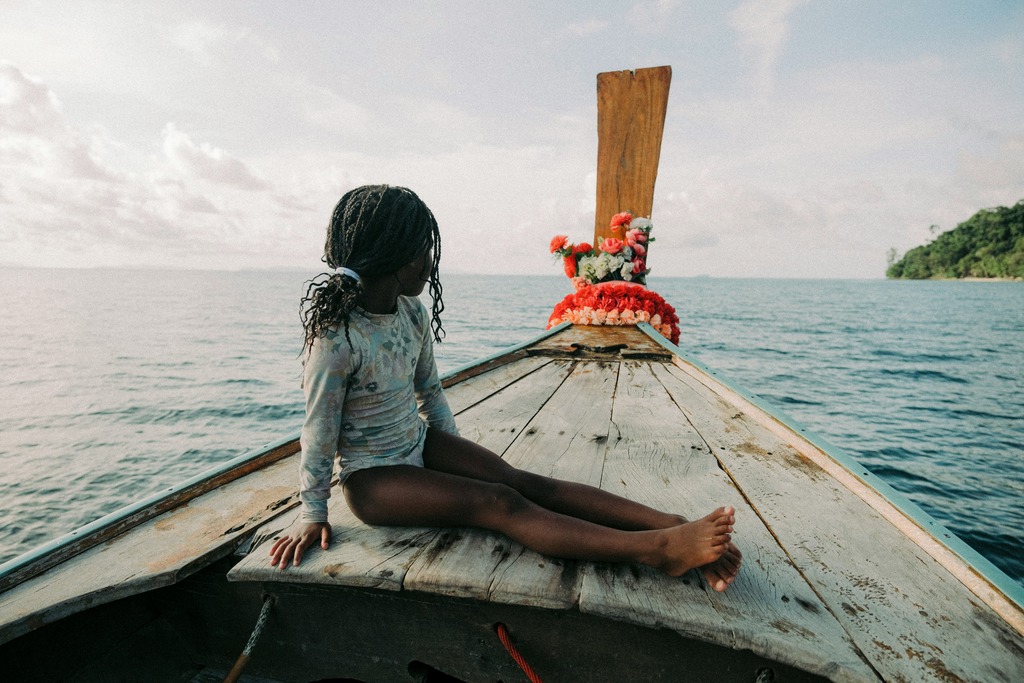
61 204
844 158
36 138
207 162
204 41
27 105
763 28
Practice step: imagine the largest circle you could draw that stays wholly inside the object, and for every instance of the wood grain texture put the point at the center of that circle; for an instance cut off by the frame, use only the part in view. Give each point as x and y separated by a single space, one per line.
478 388
380 557
156 553
123 520
360 555
631 107
567 441
600 343
654 456
910 617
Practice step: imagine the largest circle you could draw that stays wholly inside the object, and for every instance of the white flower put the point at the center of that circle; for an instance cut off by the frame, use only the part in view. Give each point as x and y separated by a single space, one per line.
588 268
627 271
641 224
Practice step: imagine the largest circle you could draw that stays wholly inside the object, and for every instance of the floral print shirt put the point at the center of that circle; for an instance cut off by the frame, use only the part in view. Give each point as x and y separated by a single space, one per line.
368 403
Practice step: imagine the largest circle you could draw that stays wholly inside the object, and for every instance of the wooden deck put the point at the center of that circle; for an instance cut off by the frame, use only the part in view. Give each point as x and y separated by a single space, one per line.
836 580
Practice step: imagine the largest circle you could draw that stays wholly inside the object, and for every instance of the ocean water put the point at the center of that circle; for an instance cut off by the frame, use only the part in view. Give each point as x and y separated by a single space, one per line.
117 383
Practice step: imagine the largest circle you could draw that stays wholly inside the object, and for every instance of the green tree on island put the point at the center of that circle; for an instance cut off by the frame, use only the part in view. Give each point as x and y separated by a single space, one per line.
990 244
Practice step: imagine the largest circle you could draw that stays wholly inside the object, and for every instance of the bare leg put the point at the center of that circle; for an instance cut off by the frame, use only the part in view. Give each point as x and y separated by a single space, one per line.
455 455
452 454
404 495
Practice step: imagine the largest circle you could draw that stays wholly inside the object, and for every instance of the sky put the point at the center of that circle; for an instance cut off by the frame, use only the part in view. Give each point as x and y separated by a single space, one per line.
804 138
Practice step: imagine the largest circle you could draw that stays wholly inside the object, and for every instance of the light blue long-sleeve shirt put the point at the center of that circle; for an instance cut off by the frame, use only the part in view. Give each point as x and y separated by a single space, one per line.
369 404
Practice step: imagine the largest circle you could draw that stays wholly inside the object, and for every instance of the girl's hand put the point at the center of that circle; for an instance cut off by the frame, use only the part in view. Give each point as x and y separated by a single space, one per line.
289 548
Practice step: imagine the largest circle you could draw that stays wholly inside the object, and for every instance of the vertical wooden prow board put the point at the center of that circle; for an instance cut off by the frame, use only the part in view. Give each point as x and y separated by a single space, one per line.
631 109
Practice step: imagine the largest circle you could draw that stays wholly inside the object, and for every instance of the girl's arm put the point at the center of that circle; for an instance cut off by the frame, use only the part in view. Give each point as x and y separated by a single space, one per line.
325 381
433 406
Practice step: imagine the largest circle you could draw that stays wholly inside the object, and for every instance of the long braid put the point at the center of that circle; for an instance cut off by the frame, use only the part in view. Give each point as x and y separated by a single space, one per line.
374 230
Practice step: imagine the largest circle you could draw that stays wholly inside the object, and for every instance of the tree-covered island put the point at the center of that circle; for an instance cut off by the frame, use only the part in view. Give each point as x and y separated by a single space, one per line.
990 244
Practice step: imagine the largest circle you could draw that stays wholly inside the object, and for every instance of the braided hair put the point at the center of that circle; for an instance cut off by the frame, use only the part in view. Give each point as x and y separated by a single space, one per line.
375 230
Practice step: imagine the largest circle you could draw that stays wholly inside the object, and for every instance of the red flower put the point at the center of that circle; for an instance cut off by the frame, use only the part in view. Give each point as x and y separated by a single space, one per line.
612 245
570 266
621 219
559 242
620 302
582 248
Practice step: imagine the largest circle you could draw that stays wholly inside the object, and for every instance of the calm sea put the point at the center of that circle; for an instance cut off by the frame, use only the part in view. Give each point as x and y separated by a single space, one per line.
115 384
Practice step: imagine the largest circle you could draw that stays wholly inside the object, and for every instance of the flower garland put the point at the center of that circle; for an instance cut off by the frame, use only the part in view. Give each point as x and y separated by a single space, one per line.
614 260
617 303
610 280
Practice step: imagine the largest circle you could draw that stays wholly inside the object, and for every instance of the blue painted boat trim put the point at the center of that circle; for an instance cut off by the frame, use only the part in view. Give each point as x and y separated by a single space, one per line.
116 516
982 565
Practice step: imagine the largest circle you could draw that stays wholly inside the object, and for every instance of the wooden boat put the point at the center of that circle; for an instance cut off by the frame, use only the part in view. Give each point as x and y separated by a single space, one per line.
843 579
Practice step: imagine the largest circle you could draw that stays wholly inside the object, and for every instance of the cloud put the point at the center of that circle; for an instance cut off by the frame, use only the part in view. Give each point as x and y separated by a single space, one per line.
763 28
27 105
207 162
204 41
63 203
35 134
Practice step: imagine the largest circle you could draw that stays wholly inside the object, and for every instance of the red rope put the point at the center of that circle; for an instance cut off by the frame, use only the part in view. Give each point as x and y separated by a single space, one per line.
506 640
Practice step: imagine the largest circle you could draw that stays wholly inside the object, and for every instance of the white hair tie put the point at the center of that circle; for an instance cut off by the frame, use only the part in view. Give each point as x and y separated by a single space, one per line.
349 272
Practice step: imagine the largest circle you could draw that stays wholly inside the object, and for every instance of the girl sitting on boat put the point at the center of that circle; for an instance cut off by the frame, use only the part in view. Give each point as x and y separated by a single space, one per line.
373 397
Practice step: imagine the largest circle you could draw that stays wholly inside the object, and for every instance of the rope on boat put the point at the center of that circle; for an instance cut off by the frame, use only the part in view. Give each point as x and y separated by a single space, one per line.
243 659
506 640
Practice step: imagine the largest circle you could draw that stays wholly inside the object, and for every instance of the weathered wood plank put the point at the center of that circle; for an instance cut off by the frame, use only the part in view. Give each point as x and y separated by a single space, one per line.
379 557
909 616
360 556
631 107
655 457
588 342
475 389
565 440
496 423
156 553
107 528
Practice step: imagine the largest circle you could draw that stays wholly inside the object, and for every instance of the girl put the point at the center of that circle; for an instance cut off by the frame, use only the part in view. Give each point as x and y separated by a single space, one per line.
373 397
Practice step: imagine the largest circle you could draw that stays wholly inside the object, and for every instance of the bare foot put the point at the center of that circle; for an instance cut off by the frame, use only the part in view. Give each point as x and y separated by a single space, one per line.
722 572
698 543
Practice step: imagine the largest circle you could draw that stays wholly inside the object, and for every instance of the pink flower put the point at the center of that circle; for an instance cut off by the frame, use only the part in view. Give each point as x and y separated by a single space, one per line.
636 235
638 249
638 266
612 245
559 242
